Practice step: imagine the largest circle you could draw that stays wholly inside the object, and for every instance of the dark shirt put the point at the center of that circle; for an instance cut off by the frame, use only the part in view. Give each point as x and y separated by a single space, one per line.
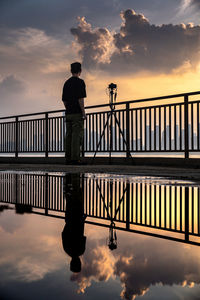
73 240
73 90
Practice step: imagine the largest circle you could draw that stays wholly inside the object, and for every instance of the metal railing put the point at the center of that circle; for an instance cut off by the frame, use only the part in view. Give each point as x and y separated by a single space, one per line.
138 126
151 208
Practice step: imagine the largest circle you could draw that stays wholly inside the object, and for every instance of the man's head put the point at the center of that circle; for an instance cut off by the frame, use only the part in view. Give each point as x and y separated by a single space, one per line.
75 264
76 68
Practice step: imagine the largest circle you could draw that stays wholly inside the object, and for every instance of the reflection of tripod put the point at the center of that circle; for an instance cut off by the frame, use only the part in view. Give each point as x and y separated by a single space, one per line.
111 214
112 88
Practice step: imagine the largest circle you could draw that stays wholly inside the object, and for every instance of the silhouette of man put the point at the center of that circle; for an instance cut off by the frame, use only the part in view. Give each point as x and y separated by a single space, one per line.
21 208
74 92
73 238
4 207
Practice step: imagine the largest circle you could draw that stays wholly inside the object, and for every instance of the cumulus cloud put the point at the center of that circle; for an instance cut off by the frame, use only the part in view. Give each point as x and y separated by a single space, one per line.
96 44
139 45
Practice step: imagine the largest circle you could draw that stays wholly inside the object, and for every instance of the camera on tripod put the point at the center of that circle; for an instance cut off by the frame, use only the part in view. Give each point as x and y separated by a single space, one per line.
112 88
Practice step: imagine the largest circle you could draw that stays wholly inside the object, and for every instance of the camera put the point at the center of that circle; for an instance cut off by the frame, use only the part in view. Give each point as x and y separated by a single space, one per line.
112 86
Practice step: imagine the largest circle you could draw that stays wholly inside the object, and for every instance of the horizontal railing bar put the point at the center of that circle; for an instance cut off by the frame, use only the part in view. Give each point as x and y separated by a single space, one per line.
147 99
53 118
129 230
106 151
123 229
31 120
140 224
95 113
139 108
147 233
4 123
137 151
107 104
157 106
145 107
33 114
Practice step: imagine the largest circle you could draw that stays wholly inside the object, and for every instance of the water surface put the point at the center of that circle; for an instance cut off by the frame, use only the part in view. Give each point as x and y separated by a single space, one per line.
139 237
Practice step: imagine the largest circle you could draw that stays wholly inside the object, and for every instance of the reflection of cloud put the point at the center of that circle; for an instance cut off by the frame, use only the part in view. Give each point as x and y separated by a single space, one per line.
8 224
37 248
153 264
140 264
98 265
139 45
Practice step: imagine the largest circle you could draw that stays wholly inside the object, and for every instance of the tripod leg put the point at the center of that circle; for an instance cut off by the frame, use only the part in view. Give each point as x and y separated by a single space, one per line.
102 135
103 199
122 134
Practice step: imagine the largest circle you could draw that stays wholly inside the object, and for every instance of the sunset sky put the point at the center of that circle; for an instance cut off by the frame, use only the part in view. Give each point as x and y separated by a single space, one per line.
148 47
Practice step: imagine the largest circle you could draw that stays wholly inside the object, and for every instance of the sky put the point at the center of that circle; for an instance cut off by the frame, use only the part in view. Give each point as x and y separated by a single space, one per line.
147 47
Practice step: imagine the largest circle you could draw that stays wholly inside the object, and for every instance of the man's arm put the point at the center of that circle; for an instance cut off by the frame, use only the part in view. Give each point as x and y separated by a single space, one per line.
81 103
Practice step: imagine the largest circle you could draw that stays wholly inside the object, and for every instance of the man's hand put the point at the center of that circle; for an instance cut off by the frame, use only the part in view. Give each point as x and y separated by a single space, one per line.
81 103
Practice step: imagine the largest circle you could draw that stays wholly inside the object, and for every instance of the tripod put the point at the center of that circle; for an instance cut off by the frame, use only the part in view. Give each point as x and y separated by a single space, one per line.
112 88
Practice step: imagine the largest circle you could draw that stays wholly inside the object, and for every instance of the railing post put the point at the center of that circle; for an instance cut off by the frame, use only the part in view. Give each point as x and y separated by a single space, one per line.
83 141
128 205
186 213
46 135
111 134
127 130
186 126
16 188
16 136
46 193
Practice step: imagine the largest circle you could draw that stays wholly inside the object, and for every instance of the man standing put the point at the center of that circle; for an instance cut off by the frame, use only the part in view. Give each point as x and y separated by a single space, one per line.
74 92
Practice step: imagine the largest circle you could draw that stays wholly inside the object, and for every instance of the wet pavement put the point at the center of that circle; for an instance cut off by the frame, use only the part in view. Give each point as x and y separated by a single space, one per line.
171 172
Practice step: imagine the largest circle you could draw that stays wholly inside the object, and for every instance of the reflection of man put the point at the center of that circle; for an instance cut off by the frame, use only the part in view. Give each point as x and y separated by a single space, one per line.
73 238
22 208
4 207
74 92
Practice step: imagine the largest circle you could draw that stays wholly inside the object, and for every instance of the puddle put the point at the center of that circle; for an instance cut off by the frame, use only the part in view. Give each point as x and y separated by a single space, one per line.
86 236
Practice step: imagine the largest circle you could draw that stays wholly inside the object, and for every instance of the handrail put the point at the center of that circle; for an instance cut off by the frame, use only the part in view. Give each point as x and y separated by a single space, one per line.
106 104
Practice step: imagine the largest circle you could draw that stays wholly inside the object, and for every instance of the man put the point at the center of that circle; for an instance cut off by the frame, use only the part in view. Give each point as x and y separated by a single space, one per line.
74 92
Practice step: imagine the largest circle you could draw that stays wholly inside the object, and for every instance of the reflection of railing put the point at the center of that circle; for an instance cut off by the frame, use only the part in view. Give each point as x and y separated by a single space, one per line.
172 126
170 208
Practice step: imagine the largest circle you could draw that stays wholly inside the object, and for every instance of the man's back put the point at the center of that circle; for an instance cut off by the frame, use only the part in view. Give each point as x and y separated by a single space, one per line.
73 90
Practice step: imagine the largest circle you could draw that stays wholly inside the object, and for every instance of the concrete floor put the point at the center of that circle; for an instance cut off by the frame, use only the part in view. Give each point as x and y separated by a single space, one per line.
170 172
